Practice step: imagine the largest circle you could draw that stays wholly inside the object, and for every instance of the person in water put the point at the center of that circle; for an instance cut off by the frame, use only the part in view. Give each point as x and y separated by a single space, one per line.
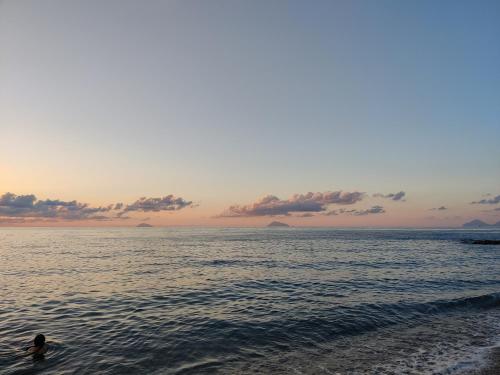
39 346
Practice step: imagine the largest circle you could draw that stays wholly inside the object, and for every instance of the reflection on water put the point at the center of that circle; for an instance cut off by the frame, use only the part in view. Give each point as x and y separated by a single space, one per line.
189 301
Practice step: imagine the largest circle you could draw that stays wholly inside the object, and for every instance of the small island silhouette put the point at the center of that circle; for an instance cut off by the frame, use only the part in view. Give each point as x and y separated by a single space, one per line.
480 224
144 225
277 224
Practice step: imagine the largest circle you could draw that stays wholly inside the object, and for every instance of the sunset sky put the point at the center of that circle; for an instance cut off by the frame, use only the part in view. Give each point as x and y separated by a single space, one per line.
232 113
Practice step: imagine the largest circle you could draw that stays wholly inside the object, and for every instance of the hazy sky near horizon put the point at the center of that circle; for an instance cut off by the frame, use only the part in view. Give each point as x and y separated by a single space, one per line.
222 103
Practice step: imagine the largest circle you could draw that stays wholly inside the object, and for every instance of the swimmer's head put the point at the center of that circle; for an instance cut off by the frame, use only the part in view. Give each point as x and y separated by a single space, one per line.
39 340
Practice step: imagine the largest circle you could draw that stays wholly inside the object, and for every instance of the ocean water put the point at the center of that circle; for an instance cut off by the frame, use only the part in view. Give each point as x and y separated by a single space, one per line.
248 301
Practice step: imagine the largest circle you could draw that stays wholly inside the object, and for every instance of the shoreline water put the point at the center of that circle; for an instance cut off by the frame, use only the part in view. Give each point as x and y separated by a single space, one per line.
251 301
492 365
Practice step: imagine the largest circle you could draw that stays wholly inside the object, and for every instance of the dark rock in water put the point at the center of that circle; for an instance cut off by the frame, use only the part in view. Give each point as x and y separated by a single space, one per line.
481 242
144 225
278 224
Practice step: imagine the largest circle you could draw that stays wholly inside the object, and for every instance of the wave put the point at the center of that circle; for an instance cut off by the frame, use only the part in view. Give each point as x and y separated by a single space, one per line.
484 301
281 330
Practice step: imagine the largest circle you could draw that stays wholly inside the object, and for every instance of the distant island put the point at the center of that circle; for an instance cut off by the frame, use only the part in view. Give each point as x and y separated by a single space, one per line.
144 225
480 224
275 224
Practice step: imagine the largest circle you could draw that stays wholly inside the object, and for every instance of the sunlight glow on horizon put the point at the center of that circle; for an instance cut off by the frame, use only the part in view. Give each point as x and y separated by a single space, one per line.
224 103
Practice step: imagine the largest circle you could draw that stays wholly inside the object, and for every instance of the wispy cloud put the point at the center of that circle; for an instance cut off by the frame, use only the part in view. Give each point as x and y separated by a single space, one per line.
24 220
307 214
167 203
393 196
25 208
494 200
271 205
368 211
339 211
442 208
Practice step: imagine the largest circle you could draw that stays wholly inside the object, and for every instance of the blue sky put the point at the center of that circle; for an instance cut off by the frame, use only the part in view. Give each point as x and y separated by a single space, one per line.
224 102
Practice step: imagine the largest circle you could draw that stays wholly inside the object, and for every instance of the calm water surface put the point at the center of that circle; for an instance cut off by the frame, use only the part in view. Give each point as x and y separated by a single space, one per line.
248 301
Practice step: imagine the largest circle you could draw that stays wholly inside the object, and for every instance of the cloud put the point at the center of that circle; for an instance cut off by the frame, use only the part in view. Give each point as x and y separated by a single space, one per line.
26 208
494 200
373 210
271 205
307 214
369 211
442 208
339 212
393 196
167 203
26 220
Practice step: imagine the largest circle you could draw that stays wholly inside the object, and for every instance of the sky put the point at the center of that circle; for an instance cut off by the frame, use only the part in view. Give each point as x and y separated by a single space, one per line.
238 113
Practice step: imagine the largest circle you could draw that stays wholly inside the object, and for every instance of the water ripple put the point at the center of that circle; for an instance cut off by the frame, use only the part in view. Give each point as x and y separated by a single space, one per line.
191 301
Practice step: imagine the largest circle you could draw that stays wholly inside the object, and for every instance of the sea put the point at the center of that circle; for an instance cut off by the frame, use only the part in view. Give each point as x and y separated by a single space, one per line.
248 300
